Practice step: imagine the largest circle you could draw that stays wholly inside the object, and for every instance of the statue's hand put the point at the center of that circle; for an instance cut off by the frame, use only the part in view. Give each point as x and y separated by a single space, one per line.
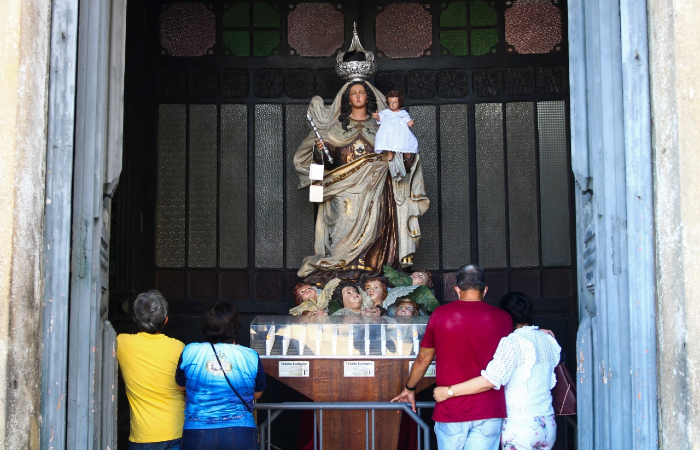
319 144
375 116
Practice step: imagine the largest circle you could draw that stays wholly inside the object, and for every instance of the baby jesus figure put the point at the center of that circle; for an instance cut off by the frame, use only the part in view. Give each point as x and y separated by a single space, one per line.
394 134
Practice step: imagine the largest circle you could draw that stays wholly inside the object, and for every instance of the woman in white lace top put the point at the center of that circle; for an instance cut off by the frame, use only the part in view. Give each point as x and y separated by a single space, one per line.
524 363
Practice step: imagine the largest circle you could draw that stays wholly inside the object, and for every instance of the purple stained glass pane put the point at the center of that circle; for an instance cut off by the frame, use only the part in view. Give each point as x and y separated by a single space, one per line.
404 30
269 285
171 283
533 26
526 281
497 281
448 283
187 29
203 284
234 284
305 33
556 283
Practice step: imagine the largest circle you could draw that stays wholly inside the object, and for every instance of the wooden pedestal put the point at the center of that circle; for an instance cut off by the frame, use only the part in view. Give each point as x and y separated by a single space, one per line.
327 383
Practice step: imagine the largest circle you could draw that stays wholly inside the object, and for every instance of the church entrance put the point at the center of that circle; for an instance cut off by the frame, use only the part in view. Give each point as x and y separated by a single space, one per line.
215 100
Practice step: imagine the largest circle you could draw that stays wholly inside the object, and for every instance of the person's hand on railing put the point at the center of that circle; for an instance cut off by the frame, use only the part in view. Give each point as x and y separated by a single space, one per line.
407 397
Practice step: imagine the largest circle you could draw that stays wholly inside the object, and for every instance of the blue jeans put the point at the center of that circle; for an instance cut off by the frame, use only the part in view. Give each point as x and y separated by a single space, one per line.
232 438
473 435
163 445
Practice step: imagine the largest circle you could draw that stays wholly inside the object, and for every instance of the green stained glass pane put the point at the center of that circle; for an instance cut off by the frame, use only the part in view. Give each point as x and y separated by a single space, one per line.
455 42
454 15
265 43
238 15
481 15
237 43
483 40
264 16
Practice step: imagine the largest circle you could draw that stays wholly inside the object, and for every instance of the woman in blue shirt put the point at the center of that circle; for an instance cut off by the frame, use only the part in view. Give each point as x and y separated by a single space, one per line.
221 379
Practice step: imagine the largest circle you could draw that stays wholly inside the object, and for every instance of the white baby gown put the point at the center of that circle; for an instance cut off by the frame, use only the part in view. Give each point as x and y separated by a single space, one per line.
394 134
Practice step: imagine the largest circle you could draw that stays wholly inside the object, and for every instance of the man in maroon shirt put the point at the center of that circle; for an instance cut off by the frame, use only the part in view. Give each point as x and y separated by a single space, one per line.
463 336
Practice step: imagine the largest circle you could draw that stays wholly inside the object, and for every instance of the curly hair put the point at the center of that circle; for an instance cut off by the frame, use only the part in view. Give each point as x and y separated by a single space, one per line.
338 292
346 108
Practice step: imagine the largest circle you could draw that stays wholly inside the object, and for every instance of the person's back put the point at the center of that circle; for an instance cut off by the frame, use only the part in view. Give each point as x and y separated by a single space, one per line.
147 362
465 336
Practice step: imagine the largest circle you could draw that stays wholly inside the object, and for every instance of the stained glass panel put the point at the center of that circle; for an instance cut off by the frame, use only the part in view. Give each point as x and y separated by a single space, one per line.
269 188
187 29
481 14
237 43
171 283
497 281
454 15
237 16
265 16
554 188
300 211
490 194
404 30
265 43
533 26
556 282
455 42
233 200
454 174
522 184
269 285
170 203
484 41
233 284
526 281
203 284
425 130
306 37
202 188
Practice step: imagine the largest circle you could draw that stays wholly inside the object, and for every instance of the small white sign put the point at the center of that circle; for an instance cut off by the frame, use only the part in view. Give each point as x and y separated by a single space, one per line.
315 193
358 369
294 369
316 172
428 373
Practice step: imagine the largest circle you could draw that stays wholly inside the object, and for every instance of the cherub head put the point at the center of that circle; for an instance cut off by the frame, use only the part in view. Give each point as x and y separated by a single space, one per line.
376 289
406 308
304 291
422 277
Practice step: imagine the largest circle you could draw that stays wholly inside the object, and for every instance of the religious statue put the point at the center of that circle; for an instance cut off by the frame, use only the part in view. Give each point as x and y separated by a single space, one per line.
366 219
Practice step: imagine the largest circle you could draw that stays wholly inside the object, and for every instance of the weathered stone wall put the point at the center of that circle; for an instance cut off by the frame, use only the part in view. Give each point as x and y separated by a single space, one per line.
24 47
674 35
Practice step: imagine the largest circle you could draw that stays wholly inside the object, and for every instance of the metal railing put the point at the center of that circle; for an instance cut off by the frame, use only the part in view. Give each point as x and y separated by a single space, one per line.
275 409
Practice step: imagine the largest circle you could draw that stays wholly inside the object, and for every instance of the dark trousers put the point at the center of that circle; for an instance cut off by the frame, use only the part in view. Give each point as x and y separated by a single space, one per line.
233 438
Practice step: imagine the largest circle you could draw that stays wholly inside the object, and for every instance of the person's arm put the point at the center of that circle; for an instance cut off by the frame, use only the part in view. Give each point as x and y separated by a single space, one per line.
260 383
420 365
476 385
180 378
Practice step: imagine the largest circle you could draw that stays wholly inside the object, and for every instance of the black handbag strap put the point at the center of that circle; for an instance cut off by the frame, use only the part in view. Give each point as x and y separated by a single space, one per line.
229 382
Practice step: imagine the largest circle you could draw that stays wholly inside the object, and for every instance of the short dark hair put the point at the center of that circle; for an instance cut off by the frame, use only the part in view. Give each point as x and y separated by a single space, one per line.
221 323
519 306
471 276
396 94
150 311
338 292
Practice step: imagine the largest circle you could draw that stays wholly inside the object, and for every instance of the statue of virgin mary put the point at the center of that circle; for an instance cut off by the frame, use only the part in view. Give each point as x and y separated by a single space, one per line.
366 219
